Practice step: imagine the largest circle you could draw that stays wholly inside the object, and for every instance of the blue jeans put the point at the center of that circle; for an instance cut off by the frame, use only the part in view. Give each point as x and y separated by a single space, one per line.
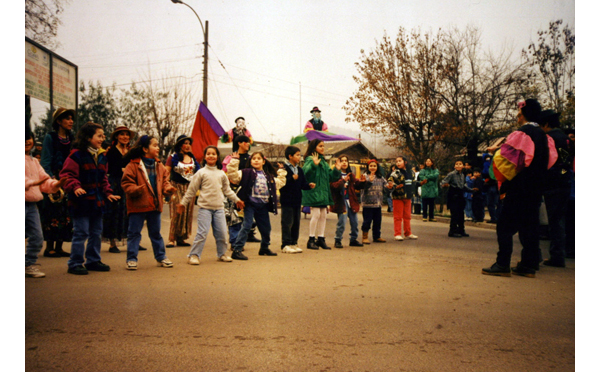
469 207
88 228
341 224
234 231
33 233
259 213
206 219
134 235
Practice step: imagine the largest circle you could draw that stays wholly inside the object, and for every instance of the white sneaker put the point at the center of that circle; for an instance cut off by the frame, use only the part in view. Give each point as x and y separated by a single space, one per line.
223 258
32 271
412 236
288 249
165 263
297 248
131 265
194 260
398 237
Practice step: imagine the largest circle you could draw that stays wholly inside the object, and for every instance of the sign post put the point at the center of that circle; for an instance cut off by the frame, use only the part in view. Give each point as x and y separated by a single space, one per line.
49 77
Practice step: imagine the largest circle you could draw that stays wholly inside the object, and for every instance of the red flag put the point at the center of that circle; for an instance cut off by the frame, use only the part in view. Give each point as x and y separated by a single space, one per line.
207 131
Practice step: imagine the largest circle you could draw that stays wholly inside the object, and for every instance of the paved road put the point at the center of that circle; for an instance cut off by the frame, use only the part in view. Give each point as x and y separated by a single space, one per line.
397 306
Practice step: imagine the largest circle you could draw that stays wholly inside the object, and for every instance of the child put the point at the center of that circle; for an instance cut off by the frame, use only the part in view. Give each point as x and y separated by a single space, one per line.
428 179
145 181
478 197
346 203
455 180
469 195
258 191
291 200
317 171
401 182
372 197
87 186
36 182
212 184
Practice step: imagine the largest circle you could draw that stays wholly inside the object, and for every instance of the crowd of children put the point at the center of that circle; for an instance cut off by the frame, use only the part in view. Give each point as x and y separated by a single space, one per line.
233 196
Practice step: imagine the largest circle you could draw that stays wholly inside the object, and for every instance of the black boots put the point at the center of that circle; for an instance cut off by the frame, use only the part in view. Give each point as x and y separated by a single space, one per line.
266 252
311 243
316 244
321 243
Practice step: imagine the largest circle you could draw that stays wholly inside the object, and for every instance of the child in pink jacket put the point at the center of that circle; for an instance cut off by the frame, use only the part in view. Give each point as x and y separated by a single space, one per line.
36 182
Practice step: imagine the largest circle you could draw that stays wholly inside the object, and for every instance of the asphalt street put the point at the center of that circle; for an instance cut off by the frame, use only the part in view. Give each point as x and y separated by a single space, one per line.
418 305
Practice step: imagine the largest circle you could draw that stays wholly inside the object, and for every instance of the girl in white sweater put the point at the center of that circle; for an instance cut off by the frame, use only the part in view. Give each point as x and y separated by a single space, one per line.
213 185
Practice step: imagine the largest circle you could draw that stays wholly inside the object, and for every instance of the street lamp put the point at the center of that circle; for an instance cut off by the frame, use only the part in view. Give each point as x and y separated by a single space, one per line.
205 33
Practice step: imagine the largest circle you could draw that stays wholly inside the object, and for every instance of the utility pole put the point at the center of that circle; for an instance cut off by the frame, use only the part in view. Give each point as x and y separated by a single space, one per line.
205 80
205 33
300 85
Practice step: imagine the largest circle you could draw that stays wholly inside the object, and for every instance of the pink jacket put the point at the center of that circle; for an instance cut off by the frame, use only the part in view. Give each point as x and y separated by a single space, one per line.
33 173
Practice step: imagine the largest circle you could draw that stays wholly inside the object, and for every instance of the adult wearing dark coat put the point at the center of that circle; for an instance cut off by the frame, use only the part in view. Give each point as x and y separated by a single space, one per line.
521 166
558 188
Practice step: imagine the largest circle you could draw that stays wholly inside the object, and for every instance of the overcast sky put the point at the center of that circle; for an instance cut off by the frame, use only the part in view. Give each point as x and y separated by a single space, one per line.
272 61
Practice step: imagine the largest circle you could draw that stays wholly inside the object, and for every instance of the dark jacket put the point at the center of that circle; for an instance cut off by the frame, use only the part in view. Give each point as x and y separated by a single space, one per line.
337 193
81 171
246 178
559 175
291 193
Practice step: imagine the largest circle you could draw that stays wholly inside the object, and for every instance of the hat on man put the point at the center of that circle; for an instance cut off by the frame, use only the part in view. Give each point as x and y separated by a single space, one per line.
315 109
550 117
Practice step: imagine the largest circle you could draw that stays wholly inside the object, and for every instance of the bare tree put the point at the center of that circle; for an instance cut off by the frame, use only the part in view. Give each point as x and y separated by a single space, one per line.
552 63
42 21
394 95
165 109
478 92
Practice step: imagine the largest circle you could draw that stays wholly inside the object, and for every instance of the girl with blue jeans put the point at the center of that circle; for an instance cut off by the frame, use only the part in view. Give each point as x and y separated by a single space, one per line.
87 184
212 184
258 191
145 181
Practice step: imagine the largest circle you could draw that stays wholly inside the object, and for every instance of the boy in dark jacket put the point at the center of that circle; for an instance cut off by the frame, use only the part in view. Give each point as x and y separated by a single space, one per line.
291 200
457 185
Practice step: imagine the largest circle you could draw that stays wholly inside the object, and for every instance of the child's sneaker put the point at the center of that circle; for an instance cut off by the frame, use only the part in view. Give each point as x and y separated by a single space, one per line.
194 260
225 258
398 237
165 263
412 236
32 271
131 265
288 249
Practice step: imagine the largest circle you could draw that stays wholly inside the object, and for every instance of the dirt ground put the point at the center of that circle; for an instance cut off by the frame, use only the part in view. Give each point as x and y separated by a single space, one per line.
418 305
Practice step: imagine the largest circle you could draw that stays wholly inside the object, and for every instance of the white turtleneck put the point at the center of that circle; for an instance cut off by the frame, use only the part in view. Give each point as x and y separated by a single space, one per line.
213 185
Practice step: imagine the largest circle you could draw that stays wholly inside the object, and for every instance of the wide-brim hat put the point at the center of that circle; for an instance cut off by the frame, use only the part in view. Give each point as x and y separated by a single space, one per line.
315 109
549 116
60 111
122 128
182 138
